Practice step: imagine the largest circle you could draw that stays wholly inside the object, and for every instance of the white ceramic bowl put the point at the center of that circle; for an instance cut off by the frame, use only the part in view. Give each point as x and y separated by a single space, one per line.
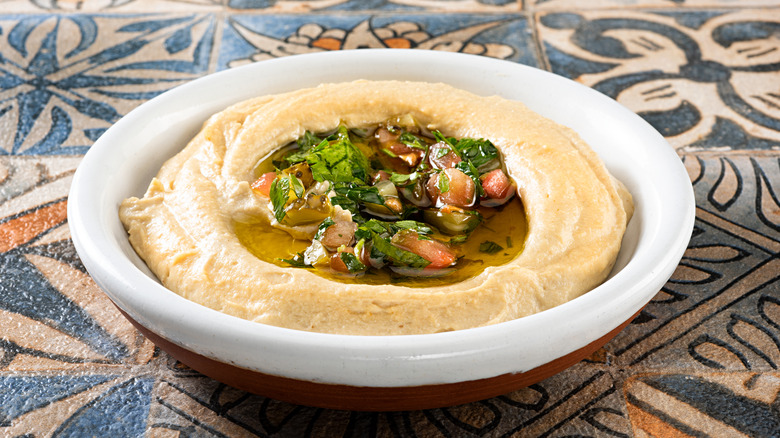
392 372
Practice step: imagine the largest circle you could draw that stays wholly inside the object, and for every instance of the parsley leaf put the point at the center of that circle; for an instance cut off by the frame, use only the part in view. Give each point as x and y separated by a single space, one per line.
480 152
352 262
420 227
490 247
412 141
448 140
443 183
402 179
338 160
388 152
297 261
396 255
388 229
280 192
305 143
322 227
297 186
362 194
308 141
349 205
468 168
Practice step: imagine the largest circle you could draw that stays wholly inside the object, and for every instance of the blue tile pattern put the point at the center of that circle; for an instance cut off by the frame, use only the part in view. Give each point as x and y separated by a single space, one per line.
62 92
700 360
686 65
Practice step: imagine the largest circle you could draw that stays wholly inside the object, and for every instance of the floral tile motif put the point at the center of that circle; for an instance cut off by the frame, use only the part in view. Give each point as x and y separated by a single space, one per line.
705 79
720 310
65 79
52 314
250 38
704 405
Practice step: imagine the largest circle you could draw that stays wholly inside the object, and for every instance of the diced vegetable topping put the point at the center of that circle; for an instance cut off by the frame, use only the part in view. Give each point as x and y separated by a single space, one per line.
395 197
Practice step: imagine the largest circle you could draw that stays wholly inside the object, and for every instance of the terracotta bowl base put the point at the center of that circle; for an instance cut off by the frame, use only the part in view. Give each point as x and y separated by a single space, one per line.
362 398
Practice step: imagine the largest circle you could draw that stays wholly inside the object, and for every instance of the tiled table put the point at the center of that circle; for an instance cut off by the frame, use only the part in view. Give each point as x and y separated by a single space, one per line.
701 360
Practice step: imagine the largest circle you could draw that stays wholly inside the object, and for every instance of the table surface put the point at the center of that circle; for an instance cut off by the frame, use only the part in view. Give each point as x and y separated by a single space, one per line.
700 360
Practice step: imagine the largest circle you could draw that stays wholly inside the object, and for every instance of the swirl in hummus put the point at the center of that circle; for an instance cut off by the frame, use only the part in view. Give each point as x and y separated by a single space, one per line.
185 225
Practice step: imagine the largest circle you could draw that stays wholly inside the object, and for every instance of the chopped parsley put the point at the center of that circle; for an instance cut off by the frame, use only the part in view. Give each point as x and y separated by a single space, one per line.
490 247
280 192
400 218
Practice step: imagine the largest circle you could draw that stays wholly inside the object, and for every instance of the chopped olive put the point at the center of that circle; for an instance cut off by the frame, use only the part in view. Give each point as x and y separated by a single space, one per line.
452 221
302 172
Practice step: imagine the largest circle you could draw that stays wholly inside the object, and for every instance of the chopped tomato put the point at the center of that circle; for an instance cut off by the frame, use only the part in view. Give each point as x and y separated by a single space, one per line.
457 189
497 185
262 185
381 175
337 264
441 156
439 254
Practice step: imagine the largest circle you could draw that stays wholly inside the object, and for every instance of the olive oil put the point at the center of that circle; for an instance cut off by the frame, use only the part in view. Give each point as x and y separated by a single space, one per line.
353 161
506 227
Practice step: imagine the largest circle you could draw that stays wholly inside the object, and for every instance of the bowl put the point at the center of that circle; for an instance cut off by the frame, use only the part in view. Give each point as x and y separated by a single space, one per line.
381 372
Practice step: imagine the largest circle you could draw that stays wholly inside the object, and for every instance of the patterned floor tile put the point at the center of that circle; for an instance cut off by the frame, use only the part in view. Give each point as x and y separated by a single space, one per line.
265 6
110 6
721 308
52 313
700 360
249 38
282 6
706 79
630 4
717 405
65 79
74 406
581 401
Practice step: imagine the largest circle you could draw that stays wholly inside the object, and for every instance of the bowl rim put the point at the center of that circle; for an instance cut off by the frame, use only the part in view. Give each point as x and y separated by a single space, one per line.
387 361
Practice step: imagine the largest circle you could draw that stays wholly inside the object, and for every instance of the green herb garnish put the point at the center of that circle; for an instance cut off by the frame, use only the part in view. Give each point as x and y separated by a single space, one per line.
479 151
349 205
396 255
338 160
323 226
280 192
405 179
413 141
352 262
443 183
297 261
297 186
468 168
362 194
490 247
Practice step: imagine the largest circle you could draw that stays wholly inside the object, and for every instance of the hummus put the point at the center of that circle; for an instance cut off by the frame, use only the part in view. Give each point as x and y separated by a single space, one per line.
184 226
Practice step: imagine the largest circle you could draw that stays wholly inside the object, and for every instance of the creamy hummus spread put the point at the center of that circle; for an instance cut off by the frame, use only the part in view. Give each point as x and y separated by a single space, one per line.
185 225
